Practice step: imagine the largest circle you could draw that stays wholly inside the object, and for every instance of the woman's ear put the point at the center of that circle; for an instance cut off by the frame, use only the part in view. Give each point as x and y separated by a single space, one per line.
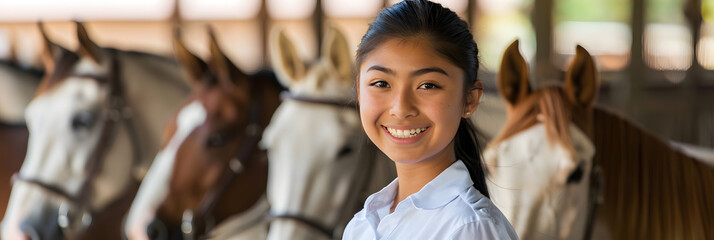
473 96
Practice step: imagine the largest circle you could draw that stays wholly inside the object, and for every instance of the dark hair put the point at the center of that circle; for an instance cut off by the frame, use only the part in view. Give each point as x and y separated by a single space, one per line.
450 37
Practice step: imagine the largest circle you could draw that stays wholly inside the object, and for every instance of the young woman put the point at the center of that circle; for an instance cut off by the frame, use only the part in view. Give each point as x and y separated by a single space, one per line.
416 88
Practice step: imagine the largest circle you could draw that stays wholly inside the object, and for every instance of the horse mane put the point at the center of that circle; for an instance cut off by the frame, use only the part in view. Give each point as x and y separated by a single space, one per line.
651 190
547 105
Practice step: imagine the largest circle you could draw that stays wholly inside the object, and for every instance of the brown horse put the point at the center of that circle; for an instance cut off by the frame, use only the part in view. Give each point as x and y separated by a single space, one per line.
210 178
93 127
650 190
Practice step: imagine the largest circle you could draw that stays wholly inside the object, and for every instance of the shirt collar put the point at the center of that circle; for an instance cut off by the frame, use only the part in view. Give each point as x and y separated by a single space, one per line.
444 188
440 191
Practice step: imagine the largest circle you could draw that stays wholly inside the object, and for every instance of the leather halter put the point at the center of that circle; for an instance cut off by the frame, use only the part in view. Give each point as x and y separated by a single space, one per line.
254 132
119 113
328 231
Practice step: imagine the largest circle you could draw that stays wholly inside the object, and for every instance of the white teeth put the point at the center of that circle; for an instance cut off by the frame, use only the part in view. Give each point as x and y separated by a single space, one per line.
405 133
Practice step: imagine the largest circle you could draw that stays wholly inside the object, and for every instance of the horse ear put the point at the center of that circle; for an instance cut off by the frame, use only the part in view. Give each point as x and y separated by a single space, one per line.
581 79
222 65
283 56
194 66
513 75
86 46
336 52
50 52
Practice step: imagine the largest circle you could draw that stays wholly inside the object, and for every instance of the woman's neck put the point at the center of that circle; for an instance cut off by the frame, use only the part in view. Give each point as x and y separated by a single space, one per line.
413 176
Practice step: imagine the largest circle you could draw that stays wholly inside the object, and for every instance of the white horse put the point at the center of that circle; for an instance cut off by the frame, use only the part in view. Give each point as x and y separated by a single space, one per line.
539 165
321 164
95 125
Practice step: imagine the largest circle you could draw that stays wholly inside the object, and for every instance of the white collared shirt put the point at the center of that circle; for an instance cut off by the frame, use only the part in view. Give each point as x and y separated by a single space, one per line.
448 207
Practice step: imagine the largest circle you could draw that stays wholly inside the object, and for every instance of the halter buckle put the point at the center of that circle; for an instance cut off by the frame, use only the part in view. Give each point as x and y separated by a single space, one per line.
187 224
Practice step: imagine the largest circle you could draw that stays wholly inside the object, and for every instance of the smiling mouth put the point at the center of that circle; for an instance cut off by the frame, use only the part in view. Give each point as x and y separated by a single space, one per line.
405 133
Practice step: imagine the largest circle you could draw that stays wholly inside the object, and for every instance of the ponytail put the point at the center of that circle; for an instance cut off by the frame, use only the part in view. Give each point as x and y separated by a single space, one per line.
468 150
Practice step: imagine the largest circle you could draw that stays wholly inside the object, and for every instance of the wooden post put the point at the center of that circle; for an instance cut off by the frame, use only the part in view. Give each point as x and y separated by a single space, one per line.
543 25
693 12
263 22
469 12
630 90
318 23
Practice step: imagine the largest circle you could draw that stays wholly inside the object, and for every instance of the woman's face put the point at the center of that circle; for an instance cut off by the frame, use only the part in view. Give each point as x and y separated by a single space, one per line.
411 100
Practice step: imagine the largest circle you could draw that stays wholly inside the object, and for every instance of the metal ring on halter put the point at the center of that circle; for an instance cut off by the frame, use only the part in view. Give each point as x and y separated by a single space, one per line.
252 129
187 225
64 218
235 165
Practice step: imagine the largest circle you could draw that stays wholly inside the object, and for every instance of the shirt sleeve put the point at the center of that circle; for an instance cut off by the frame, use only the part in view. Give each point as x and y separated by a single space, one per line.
484 229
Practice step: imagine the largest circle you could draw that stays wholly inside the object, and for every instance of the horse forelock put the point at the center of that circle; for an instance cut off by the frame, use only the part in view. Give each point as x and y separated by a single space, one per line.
63 68
320 82
548 105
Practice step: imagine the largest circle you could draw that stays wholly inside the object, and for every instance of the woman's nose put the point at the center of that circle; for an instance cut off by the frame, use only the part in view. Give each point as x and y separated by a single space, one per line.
403 105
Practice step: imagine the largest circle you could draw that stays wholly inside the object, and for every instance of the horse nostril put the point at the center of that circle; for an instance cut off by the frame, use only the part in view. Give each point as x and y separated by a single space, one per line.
157 230
42 225
30 232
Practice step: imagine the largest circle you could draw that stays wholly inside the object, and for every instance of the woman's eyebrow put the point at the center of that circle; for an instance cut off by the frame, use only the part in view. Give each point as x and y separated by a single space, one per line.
381 69
413 74
428 70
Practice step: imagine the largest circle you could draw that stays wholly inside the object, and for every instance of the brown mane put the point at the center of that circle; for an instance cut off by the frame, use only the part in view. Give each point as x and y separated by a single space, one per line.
651 190
551 105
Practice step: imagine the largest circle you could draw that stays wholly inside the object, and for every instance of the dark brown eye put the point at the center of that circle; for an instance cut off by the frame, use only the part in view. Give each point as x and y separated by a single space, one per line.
83 120
577 175
217 140
345 150
428 86
379 84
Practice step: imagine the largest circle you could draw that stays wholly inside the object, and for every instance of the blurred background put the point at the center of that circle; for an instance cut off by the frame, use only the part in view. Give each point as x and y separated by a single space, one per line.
656 57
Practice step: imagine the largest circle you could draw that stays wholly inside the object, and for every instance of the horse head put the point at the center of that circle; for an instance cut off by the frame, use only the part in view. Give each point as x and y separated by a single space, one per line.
209 168
315 142
539 166
81 133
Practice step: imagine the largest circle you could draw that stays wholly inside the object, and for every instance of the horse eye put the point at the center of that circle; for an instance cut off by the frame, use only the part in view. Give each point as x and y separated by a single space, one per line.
344 151
83 120
217 140
576 175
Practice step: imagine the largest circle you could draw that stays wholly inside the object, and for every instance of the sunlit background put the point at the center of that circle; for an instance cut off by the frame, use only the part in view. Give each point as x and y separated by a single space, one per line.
656 57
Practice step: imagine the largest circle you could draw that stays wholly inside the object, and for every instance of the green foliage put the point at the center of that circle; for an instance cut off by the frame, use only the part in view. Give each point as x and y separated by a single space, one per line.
708 11
665 11
592 10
